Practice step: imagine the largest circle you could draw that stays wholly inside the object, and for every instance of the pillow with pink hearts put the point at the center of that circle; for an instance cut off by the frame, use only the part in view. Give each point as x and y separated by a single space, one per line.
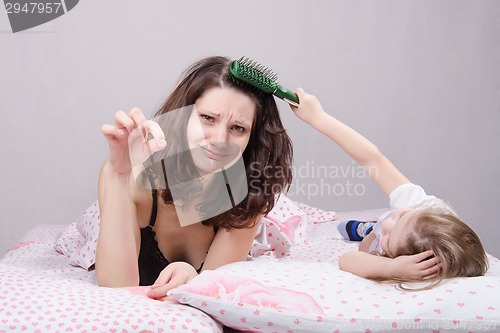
79 241
287 296
287 224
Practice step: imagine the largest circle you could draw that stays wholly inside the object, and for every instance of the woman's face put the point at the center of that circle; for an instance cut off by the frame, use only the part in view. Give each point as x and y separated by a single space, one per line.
219 128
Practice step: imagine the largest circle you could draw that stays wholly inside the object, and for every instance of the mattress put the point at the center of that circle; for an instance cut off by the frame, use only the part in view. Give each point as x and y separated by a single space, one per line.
291 283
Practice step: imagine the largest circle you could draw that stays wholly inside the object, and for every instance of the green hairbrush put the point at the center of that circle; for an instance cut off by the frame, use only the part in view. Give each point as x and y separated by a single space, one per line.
246 71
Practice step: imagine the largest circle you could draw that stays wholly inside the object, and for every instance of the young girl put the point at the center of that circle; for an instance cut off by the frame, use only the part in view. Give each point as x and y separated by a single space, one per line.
205 124
421 238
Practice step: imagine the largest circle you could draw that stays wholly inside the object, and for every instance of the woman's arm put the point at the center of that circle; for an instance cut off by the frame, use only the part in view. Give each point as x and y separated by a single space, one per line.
227 247
354 144
230 246
119 235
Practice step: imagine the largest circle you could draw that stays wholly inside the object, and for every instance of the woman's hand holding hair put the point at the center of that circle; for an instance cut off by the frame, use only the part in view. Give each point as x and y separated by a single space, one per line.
417 267
128 140
172 276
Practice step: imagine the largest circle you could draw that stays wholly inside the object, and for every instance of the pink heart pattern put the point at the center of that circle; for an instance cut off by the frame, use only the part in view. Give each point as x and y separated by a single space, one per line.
41 292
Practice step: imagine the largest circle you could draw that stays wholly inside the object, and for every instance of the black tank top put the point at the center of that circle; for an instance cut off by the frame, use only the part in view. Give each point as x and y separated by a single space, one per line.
151 259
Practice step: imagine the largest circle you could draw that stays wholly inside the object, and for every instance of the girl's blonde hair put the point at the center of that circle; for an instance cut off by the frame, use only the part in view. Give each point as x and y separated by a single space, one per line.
452 241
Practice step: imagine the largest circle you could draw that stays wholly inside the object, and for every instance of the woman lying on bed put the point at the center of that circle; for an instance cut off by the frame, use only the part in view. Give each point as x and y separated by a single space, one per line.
207 129
421 238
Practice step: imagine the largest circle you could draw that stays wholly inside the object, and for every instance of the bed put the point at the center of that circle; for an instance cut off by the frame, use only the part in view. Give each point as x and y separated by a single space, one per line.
291 283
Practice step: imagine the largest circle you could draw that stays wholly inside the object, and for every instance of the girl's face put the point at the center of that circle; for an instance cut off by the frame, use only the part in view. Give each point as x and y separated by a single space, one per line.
394 230
219 128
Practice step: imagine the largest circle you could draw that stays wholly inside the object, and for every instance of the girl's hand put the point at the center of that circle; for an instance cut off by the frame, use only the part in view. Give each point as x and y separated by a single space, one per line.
172 276
128 140
309 108
416 267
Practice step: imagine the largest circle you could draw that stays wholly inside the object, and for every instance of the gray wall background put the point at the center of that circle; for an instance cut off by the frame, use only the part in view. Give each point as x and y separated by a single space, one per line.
421 79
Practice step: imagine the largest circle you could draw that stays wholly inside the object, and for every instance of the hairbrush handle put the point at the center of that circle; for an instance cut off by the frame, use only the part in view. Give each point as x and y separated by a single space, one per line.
287 95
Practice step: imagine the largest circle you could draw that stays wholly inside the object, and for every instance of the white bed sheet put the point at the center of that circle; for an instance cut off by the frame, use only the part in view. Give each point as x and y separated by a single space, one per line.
41 292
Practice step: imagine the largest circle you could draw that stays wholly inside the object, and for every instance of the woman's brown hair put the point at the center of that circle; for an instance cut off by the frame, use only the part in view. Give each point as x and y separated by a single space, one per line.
267 157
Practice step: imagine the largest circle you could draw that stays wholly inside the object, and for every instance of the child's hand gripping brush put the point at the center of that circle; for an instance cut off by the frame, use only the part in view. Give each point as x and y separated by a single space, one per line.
246 71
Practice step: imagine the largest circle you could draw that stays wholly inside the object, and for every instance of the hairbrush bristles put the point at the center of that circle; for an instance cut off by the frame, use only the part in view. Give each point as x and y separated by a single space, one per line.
246 86
259 68
247 72
254 74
